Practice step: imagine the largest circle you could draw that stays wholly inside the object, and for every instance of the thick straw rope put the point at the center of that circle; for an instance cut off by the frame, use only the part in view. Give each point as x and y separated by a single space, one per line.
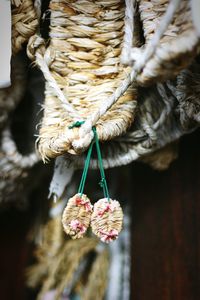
170 38
24 23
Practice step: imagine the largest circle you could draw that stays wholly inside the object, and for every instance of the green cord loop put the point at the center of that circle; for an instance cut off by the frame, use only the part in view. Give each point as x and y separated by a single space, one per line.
85 170
103 182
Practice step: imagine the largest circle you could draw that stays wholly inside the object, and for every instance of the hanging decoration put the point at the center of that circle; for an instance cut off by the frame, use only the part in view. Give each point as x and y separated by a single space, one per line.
105 218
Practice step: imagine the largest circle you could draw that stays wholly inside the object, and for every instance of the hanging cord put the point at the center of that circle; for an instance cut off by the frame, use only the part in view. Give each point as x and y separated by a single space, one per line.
103 182
85 170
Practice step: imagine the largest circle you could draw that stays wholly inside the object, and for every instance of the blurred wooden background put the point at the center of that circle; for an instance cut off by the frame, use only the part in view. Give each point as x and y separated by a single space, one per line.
165 233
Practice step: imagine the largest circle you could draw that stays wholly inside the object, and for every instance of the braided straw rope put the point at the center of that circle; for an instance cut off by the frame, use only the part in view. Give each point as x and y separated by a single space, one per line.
70 255
24 23
106 219
98 278
76 216
171 41
84 75
15 169
52 242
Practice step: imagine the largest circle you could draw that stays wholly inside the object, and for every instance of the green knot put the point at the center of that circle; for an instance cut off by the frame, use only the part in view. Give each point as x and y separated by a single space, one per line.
76 124
102 182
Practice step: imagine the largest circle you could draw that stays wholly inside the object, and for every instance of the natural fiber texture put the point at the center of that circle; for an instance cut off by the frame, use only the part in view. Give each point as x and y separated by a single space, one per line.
10 97
65 264
24 23
161 159
98 278
106 220
50 245
15 170
76 216
82 68
175 50
165 113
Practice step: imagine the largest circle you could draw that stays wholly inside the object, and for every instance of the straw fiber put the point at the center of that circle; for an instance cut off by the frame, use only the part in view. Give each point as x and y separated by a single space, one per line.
177 47
82 68
24 23
106 220
166 111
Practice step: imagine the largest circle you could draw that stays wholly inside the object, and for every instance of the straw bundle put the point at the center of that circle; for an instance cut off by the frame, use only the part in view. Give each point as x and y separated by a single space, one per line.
82 68
106 220
24 23
176 47
52 241
76 216
98 278
71 255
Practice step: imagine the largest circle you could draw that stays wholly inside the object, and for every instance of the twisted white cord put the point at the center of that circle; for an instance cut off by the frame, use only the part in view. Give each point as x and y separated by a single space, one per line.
141 58
10 149
128 31
43 62
38 6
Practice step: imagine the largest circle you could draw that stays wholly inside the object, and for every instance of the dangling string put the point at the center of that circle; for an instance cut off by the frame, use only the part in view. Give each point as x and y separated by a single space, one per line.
85 170
103 182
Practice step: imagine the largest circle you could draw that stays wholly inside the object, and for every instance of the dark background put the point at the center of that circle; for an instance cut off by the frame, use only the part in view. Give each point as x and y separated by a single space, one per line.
165 233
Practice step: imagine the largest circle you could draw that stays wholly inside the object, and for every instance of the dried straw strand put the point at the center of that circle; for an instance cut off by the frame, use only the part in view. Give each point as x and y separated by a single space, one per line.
76 216
24 23
98 278
71 255
106 219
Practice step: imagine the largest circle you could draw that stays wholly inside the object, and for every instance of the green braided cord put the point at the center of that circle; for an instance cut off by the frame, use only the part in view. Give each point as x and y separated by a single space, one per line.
103 182
85 170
